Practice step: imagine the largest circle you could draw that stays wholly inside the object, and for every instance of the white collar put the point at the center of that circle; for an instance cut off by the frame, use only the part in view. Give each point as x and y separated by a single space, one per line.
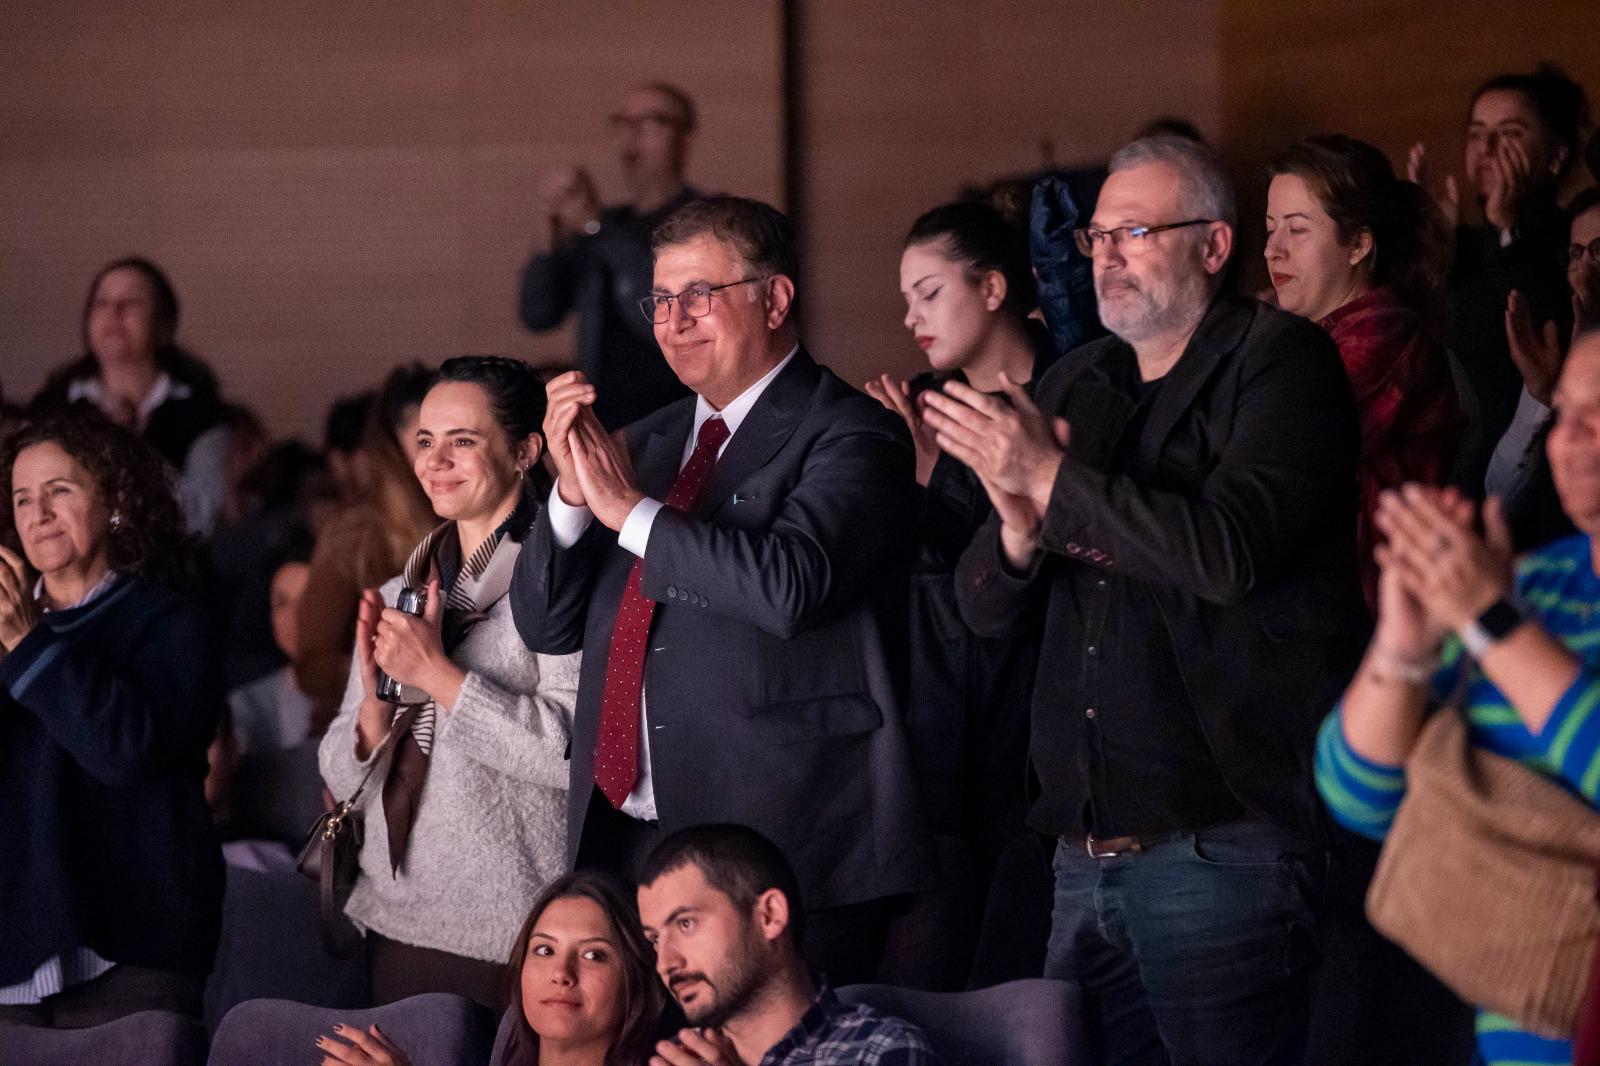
99 587
163 390
736 410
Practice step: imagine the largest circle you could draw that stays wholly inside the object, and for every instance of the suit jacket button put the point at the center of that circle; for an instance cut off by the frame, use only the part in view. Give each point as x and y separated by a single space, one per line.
672 592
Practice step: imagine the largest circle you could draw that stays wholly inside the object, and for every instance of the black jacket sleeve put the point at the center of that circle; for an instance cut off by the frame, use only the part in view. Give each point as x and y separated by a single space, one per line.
1287 469
550 286
123 724
551 586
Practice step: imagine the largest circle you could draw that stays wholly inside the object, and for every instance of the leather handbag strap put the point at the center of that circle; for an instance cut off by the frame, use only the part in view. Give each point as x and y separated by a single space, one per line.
338 937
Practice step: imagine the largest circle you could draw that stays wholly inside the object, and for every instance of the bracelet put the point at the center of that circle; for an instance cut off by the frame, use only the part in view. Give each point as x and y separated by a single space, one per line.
1387 666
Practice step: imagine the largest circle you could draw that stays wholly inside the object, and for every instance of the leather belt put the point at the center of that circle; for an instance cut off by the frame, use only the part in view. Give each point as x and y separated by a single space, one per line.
1110 847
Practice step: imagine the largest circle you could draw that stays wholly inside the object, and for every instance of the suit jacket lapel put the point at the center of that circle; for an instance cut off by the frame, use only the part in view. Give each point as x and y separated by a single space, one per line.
770 422
657 466
1219 334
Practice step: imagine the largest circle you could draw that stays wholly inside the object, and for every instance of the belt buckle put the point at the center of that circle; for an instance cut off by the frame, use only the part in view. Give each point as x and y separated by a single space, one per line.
1089 846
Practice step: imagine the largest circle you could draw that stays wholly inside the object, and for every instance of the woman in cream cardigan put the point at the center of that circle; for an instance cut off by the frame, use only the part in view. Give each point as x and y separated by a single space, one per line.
465 812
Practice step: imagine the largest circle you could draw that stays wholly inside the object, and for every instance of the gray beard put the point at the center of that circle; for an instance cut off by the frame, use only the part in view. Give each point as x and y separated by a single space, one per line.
1149 320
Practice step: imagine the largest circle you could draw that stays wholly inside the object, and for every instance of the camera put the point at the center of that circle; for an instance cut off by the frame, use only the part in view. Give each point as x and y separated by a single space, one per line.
413 602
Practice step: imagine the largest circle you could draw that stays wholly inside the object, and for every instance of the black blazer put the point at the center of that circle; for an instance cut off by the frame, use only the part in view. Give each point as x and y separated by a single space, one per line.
1246 537
773 674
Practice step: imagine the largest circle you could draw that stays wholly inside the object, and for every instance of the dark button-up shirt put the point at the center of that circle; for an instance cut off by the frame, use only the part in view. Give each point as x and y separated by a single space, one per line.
1118 715
833 1034
603 276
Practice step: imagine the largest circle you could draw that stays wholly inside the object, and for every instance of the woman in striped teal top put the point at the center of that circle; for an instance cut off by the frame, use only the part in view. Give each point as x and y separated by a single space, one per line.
1534 685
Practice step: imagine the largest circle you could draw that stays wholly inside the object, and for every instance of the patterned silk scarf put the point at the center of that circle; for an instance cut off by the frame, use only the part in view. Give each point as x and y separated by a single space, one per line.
474 587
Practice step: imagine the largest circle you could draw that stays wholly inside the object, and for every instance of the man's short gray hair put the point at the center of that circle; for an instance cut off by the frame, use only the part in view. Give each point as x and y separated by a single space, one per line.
1206 190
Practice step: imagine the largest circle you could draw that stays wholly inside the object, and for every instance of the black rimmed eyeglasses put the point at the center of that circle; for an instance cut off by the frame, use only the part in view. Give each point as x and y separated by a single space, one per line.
1137 238
695 300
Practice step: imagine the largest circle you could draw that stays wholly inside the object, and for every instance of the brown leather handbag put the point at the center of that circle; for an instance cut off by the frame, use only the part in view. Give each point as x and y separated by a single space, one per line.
331 854
1488 879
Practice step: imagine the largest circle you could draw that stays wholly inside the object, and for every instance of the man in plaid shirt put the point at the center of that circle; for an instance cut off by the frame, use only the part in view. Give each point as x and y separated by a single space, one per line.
722 907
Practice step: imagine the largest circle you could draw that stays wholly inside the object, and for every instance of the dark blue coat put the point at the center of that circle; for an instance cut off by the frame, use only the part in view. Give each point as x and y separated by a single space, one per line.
106 712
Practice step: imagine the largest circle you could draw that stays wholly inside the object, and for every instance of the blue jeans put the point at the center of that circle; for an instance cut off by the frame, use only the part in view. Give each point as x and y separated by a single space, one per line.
1198 950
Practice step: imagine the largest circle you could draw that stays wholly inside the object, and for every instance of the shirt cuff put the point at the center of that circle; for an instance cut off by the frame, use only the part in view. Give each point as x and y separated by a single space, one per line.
1515 448
567 523
635 534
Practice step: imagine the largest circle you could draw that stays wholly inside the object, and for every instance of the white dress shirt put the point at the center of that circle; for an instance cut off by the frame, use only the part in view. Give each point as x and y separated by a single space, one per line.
1515 455
568 523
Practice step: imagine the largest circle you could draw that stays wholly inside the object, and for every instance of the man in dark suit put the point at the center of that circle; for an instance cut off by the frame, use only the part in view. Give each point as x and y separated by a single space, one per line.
1177 513
731 566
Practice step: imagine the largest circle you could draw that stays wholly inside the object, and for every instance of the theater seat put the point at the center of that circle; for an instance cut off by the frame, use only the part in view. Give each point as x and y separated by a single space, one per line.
149 1038
270 947
436 1029
1019 1023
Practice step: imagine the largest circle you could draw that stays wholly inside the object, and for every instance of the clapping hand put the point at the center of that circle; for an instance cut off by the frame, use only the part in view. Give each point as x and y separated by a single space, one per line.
696 1047
1509 174
1009 444
1418 172
604 472
350 1046
410 648
896 396
1450 571
1536 353
569 398
18 610
567 200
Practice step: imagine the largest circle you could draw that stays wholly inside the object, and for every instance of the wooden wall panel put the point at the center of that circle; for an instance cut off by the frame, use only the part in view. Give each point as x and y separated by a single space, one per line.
1392 72
904 104
335 188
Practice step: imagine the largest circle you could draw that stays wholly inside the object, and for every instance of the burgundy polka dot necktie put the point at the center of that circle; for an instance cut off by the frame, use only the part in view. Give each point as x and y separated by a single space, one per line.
616 755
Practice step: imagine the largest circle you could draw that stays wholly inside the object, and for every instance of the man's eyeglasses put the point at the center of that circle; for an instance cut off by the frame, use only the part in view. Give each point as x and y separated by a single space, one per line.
621 123
1137 238
1577 251
696 301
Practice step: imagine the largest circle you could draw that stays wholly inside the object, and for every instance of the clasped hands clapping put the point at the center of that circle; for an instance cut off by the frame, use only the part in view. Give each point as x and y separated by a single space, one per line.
1439 571
592 466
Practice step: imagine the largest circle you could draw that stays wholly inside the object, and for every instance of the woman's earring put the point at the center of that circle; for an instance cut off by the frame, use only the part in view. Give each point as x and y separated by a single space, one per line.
116 519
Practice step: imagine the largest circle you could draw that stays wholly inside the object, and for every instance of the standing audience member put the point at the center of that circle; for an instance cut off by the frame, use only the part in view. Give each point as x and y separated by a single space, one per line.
1363 254
1523 136
581 982
470 824
1526 639
969 290
365 544
723 908
597 260
134 372
1519 471
109 691
1179 508
739 599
